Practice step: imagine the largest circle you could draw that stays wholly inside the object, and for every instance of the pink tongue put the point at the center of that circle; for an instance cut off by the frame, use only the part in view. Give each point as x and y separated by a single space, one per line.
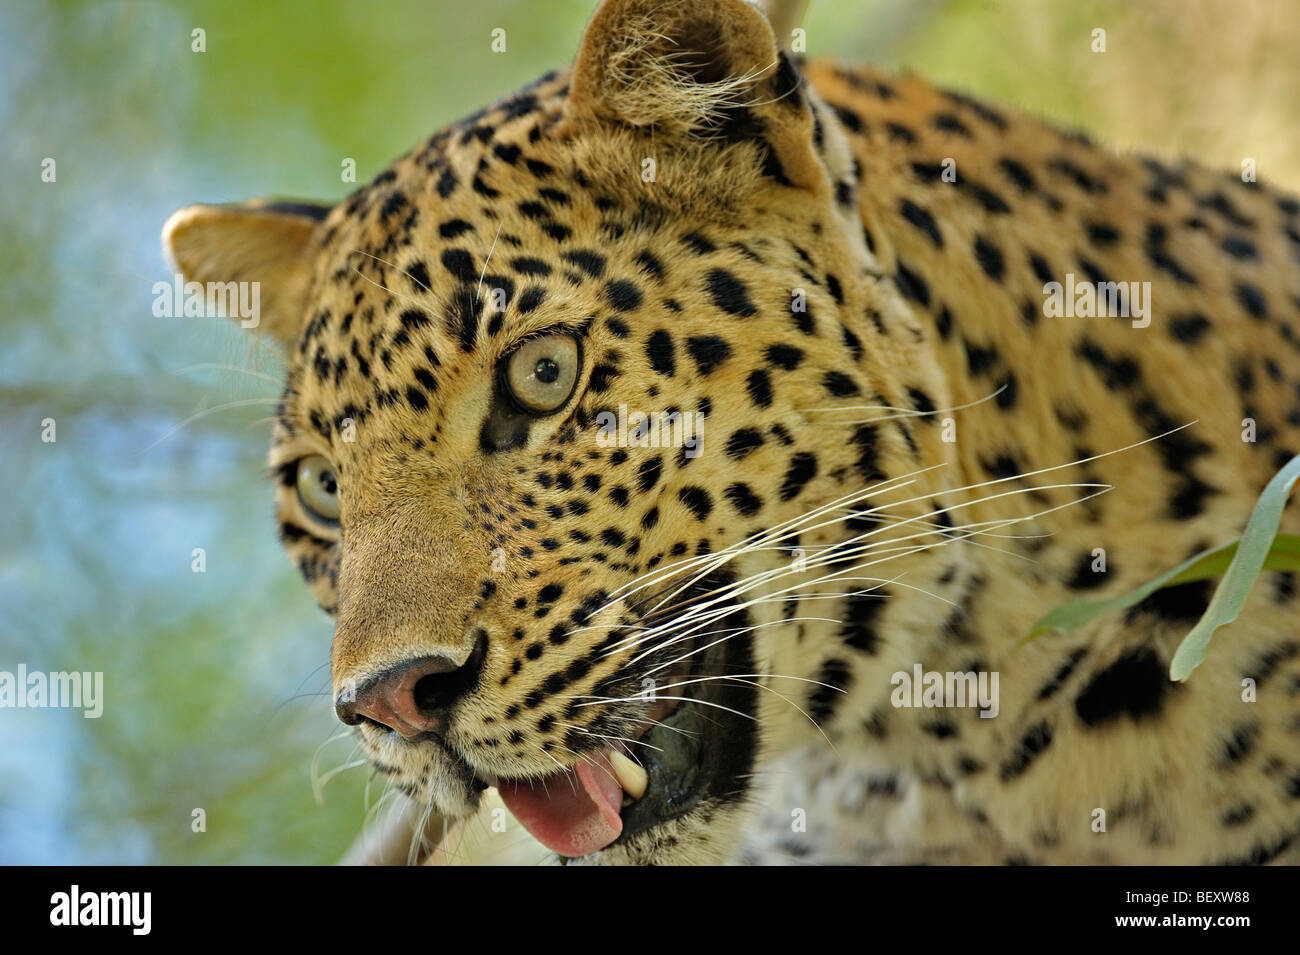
572 813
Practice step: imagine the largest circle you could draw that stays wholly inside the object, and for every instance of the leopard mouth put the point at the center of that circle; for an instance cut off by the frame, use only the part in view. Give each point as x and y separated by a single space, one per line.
696 751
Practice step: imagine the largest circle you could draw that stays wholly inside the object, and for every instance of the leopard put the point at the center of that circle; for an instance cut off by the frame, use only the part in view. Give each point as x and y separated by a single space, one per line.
651 434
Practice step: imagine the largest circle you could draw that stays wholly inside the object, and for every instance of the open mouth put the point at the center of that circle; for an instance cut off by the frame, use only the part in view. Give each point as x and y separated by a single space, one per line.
694 748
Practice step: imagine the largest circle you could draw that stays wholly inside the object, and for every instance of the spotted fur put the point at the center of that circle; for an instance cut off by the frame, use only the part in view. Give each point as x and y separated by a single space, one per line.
827 445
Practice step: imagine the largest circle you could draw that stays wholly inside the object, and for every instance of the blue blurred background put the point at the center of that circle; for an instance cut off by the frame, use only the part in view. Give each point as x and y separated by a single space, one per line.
215 682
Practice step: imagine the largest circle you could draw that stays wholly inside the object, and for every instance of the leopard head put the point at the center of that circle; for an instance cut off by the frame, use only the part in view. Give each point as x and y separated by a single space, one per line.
568 387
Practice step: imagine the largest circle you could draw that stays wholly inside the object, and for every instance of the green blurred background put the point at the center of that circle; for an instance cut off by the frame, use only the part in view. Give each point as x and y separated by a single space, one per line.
216 683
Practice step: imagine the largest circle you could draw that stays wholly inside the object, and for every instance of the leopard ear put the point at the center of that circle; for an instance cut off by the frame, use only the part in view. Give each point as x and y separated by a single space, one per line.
255 242
698 70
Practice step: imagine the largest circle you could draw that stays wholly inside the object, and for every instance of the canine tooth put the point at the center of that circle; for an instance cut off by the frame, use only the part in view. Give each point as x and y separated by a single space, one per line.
631 777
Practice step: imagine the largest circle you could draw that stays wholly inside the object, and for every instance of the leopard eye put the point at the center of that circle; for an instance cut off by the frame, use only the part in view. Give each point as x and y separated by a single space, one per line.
542 372
318 488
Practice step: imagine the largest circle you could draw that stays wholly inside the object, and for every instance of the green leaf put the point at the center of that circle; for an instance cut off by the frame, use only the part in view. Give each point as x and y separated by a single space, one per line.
1252 556
1284 555
1240 563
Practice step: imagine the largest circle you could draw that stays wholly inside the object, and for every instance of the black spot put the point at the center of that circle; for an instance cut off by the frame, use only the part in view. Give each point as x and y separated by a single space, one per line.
786 357
859 619
1084 578
742 442
951 124
1237 815
1265 665
922 220
659 349
462 318
460 264
1135 684
989 200
1189 328
697 500
413 318
623 295
802 469
1102 233
1117 372
708 351
419 276
901 133
1007 391
941 729
865 439
834 677
392 205
989 257
745 501
531 298
1181 603
1018 174
601 376
840 385
698 243
589 262
729 294
1041 269
1036 739
1252 300
480 186
647 475
649 263
1189 500
944 323
454 227
911 284
852 342
1077 175
507 152
1237 746
1239 247
759 386
425 377
920 401
530 266
1062 674
851 120
1160 256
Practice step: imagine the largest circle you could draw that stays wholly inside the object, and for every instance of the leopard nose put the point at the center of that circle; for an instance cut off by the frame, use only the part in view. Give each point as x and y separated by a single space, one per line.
411 698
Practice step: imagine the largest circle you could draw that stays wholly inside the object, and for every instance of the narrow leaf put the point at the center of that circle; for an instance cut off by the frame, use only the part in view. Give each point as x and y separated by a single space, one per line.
1283 555
1251 557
